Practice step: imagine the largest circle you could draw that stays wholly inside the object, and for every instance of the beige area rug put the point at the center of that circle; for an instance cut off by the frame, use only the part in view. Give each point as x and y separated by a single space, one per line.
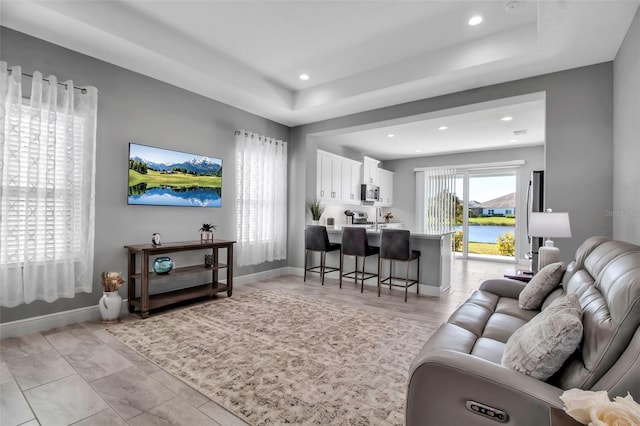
274 358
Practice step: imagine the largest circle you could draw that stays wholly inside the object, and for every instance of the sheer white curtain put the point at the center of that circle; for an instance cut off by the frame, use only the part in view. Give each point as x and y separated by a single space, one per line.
47 189
436 199
261 201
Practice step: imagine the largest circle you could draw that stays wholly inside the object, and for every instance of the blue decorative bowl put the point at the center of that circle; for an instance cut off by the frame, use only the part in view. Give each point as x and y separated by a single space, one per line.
162 265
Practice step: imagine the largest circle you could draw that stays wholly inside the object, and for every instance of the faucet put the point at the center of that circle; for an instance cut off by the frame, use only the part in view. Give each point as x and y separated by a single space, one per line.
378 214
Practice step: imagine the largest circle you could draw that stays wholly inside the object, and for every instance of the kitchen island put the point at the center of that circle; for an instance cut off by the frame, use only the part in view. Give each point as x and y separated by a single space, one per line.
435 259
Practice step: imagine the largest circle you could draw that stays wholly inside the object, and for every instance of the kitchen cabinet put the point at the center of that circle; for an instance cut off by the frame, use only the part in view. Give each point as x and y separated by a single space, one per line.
385 182
370 170
338 179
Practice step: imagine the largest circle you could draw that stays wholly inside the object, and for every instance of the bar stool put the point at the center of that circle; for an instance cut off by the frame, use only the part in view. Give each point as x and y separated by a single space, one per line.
395 245
355 243
317 239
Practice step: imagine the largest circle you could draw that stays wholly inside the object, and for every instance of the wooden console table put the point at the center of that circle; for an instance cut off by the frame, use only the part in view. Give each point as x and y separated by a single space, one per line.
146 301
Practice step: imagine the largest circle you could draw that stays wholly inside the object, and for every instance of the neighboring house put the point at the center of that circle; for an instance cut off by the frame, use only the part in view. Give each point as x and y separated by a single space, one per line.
474 208
501 206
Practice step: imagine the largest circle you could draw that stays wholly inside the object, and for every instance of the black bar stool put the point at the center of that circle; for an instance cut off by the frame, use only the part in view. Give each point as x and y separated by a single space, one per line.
355 243
317 239
395 245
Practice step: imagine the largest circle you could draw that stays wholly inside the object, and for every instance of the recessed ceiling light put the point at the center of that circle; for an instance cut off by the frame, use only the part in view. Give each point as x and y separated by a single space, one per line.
391 135
507 118
304 76
514 140
475 20
442 128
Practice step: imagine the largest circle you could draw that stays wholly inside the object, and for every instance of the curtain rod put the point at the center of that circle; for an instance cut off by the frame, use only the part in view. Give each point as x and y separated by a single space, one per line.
81 89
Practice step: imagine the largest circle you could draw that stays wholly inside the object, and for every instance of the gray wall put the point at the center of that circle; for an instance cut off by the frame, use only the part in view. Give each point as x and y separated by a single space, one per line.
132 107
404 181
626 137
578 156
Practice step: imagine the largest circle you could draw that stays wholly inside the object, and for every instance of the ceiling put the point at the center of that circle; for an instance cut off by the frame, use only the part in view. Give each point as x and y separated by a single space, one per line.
470 128
360 55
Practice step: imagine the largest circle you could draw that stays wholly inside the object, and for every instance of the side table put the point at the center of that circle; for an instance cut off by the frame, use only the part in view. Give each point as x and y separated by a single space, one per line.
519 274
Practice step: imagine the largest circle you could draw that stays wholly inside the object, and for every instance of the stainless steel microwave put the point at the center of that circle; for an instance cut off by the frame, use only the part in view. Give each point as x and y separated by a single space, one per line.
369 192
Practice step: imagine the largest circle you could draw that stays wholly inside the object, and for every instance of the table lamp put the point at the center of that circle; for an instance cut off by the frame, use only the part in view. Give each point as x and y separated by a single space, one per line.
549 225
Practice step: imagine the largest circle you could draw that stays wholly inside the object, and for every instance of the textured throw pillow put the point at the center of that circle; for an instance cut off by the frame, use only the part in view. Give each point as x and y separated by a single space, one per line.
542 283
540 347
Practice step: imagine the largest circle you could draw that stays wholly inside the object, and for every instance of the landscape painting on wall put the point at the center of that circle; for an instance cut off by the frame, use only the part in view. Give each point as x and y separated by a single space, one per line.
162 177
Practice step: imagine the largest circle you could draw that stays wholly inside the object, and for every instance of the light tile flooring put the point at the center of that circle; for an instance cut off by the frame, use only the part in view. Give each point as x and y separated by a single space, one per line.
81 375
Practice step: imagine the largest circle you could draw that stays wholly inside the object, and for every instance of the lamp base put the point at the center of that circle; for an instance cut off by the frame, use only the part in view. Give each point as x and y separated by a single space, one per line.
548 254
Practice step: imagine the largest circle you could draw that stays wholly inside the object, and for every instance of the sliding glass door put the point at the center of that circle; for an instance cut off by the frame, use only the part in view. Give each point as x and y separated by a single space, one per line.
486 213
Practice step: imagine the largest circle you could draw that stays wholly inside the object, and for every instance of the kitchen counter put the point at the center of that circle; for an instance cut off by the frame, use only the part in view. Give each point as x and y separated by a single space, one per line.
435 259
371 230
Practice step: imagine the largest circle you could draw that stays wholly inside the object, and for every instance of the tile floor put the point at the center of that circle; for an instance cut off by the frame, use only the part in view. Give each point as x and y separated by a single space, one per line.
81 375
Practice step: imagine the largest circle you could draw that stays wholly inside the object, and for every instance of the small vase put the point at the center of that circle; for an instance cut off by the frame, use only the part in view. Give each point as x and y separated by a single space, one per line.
206 237
110 305
315 222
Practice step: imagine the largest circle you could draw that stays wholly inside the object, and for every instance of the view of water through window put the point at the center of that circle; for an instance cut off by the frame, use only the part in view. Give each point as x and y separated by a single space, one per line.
491 213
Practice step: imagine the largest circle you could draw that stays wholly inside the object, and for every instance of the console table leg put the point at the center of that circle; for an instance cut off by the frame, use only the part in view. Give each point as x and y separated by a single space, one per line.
144 286
230 269
131 284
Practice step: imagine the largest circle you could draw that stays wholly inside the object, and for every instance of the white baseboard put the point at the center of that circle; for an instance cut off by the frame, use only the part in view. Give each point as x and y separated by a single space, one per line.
49 321
258 276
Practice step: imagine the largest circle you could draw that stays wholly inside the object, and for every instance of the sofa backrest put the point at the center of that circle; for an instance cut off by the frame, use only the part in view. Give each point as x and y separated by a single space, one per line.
605 275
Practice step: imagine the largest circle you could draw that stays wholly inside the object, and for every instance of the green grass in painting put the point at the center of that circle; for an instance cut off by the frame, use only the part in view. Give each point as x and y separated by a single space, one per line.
495 221
176 180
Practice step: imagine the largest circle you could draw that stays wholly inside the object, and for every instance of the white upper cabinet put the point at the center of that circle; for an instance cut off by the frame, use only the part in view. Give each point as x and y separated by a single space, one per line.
370 171
385 182
335 179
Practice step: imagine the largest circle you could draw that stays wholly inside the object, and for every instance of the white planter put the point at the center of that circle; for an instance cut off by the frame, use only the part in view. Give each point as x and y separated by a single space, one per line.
315 222
110 305
206 236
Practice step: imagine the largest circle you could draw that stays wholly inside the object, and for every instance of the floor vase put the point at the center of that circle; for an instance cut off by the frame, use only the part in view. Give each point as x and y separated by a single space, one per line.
110 305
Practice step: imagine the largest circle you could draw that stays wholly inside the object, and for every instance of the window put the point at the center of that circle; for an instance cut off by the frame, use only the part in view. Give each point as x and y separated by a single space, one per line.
261 202
47 189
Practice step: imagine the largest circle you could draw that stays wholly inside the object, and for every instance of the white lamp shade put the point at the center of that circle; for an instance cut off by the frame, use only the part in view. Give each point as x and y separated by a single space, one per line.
550 225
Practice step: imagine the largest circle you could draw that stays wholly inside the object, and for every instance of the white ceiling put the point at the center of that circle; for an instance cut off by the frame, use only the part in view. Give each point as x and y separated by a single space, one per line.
470 128
360 54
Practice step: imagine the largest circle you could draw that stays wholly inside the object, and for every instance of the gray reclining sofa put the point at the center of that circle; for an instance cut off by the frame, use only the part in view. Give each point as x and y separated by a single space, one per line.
458 379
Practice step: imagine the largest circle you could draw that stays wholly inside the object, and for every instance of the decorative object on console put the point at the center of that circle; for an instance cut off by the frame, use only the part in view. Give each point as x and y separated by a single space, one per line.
387 217
316 210
111 302
156 239
595 408
208 261
163 265
544 282
206 232
549 225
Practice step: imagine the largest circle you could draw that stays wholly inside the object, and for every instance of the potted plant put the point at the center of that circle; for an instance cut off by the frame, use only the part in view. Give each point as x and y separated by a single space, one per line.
111 302
206 232
387 217
316 210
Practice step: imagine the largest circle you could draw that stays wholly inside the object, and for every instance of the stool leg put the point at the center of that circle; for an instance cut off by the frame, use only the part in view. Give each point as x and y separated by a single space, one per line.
341 262
322 258
418 278
406 281
306 253
390 274
364 260
379 272
355 269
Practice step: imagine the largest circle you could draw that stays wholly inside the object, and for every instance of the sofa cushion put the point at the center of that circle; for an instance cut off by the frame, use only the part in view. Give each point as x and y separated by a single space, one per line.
540 286
488 349
540 347
500 327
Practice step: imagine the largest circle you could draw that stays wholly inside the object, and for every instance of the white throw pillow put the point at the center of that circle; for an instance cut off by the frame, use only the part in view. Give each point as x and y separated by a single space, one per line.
541 285
540 347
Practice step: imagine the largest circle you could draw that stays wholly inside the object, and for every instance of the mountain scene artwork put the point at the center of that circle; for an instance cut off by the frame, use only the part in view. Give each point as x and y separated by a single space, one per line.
164 177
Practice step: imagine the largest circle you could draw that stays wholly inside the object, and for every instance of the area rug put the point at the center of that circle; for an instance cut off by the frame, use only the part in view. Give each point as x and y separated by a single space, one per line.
274 358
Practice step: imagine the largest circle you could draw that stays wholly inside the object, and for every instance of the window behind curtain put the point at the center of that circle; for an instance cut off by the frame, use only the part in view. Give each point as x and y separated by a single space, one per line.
47 188
261 201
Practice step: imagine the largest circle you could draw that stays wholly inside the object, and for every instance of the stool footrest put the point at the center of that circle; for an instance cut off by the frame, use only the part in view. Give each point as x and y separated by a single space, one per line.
404 284
356 274
318 269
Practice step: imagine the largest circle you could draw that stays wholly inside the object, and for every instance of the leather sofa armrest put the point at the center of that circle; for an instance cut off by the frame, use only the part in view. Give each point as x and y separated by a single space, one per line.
442 381
503 287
